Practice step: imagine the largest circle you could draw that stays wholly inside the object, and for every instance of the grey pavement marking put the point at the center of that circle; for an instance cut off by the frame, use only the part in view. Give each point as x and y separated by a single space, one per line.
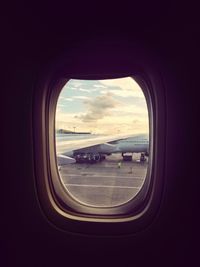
96 176
109 186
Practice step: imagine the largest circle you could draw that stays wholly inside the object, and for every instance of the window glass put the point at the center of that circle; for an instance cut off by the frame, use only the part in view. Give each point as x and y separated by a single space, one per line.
102 140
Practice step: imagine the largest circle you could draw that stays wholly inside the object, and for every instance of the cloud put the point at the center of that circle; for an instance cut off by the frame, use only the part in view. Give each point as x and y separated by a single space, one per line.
103 123
81 97
61 98
132 109
119 107
99 107
84 90
126 93
99 86
68 99
125 84
65 98
71 88
78 89
81 89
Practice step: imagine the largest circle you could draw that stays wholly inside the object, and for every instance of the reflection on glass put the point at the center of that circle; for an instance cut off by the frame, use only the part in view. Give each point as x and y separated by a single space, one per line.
102 140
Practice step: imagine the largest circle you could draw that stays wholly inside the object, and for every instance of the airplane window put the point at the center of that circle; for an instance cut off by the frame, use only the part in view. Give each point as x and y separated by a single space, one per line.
102 140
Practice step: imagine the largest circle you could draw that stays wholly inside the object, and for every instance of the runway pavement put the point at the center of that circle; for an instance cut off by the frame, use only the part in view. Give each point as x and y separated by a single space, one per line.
103 184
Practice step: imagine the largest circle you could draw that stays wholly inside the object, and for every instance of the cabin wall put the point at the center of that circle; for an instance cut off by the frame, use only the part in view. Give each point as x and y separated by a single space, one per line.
29 239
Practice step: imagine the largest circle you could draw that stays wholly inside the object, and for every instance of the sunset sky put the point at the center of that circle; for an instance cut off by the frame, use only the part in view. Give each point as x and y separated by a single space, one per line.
102 107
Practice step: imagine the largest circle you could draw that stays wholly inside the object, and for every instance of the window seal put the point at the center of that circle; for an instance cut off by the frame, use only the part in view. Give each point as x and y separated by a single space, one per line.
66 216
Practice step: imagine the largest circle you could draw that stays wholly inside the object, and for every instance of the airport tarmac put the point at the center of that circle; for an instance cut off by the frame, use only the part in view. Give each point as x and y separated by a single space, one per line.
104 184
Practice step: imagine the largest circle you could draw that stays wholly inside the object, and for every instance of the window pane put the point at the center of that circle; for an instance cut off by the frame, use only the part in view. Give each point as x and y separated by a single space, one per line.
102 140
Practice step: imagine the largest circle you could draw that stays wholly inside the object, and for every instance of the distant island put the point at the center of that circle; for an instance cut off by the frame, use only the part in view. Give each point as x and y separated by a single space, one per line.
63 131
